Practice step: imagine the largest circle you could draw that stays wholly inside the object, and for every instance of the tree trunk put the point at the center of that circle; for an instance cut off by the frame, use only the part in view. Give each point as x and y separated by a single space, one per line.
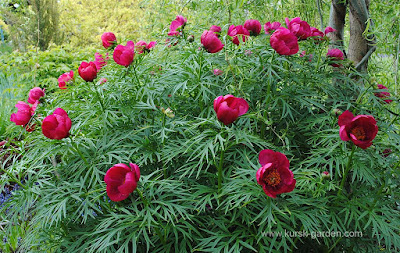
337 21
360 47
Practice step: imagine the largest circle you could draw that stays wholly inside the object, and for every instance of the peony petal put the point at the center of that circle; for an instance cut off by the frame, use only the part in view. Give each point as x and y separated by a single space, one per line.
267 156
129 184
136 170
344 135
345 118
114 194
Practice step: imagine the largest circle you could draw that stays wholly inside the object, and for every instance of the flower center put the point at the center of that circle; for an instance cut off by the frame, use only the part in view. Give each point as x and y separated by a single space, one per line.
359 133
273 178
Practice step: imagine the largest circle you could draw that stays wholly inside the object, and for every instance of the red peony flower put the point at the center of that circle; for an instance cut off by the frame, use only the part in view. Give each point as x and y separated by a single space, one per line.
216 29
35 94
274 176
315 32
329 29
56 125
270 28
24 113
143 47
218 72
88 71
121 180
64 79
123 55
211 42
229 108
100 61
177 25
253 26
108 39
361 130
301 29
284 42
383 94
238 31
336 55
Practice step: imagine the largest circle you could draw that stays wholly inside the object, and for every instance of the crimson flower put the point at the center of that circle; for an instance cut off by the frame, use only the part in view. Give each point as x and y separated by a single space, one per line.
271 27
383 94
274 176
216 29
35 94
24 113
56 125
336 55
121 180
218 72
88 71
177 25
301 29
361 130
253 26
238 31
123 55
143 47
64 79
100 61
284 42
108 39
229 108
211 42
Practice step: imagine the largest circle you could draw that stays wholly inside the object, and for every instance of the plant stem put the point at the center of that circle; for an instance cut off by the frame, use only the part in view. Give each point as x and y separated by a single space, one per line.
141 196
98 97
221 162
75 146
348 167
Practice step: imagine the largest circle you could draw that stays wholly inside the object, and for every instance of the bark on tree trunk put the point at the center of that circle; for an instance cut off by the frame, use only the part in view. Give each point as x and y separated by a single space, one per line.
337 21
360 47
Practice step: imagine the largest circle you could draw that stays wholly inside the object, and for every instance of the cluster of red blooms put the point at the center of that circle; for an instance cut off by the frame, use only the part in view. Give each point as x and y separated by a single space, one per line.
274 175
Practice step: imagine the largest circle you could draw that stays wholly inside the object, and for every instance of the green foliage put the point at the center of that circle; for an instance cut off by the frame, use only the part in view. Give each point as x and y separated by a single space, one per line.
63 205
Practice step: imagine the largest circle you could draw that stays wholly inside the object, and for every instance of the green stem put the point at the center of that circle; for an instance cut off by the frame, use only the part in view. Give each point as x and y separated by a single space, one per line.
75 146
141 196
98 97
348 167
134 72
12 176
221 162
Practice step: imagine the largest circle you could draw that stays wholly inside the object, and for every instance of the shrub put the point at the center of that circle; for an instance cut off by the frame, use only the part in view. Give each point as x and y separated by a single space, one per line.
198 189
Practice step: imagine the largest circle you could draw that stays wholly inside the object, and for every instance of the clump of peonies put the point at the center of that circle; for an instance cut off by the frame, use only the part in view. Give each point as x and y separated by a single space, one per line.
284 42
177 25
108 39
229 108
274 176
253 26
211 42
35 94
88 71
361 130
336 55
238 31
24 113
123 55
217 72
56 125
142 47
100 61
383 94
271 27
301 29
121 180
65 79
